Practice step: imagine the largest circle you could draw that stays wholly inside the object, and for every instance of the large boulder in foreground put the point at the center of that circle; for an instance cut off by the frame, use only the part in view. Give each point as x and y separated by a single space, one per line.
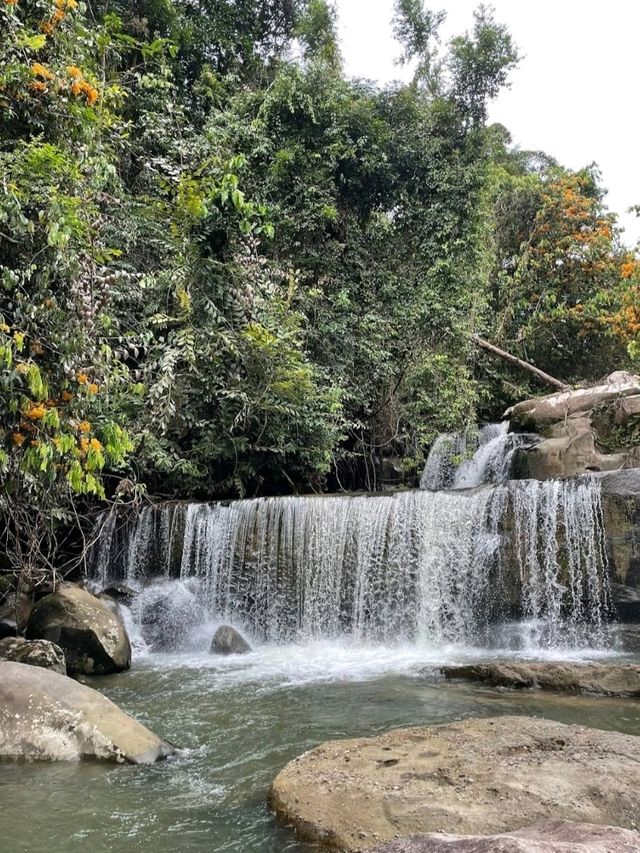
92 636
553 836
44 715
33 652
610 679
228 641
474 777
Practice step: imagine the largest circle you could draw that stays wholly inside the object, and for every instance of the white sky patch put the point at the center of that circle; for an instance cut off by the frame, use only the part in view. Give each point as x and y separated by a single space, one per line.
573 95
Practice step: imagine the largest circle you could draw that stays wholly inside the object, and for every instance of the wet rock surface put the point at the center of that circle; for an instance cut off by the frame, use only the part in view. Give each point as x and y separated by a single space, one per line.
483 776
228 641
92 636
48 716
554 836
33 652
609 679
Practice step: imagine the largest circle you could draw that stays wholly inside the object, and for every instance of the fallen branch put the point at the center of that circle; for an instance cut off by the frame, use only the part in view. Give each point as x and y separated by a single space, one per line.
518 362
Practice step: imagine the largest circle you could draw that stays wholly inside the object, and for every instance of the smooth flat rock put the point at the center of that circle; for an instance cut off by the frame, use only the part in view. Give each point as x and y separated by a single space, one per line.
90 633
485 776
47 716
553 836
34 653
609 679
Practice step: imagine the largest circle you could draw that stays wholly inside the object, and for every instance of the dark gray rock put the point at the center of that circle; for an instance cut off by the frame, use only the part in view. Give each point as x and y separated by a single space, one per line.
92 636
33 652
228 641
553 836
121 592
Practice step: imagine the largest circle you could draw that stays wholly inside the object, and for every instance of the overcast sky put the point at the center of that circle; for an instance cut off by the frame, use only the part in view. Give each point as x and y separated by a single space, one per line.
574 95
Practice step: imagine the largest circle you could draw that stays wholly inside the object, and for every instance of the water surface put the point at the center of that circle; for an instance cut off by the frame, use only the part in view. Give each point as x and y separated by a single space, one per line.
238 721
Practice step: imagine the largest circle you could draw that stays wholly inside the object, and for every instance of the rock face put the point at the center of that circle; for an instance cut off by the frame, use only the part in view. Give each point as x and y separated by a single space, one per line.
33 652
485 777
606 678
553 836
228 641
586 430
44 715
92 636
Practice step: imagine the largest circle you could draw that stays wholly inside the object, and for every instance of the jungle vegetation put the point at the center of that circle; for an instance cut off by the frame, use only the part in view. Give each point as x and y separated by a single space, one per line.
226 269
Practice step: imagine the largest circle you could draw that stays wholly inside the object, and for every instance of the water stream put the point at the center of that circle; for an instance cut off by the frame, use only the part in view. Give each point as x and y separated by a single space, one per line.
351 603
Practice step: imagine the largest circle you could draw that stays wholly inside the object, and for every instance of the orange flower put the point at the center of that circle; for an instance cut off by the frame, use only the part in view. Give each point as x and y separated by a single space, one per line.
11 2
84 426
67 396
84 444
628 269
38 86
93 388
82 378
95 444
46 27
36 413
74 71
18 439
40 70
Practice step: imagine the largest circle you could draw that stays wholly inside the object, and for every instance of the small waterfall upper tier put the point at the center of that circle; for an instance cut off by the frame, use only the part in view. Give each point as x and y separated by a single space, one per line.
474 457
422 567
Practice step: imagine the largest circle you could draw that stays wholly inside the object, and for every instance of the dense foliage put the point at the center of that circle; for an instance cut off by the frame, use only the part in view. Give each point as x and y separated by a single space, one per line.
226 269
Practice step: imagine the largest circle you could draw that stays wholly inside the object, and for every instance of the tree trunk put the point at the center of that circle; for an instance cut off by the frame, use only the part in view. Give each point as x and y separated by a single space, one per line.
518 362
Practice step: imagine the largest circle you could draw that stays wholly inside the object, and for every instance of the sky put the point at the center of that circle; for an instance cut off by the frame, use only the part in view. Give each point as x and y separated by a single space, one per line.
574 94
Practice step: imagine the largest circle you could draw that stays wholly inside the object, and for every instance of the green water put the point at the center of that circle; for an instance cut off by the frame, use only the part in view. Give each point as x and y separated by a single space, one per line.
238 723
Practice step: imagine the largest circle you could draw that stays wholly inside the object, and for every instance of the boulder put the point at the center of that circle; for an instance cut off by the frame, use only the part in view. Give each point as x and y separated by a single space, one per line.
44 715
609 679
33 652
228 641
483 776
553 408
92 636
585 430
553 836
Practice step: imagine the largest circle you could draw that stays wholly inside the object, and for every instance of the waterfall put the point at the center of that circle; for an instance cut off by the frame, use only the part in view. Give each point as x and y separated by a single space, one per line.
417 567
474 457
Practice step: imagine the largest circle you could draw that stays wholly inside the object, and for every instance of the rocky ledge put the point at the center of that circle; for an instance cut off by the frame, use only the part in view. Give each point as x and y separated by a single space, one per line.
609 679
553 836
474 777
47 716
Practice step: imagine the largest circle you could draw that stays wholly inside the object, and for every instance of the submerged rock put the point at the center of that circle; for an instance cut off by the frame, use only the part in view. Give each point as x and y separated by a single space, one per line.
120 592
553 836
485 776
47 716
228 641
610 679
92 636
33 652
169 614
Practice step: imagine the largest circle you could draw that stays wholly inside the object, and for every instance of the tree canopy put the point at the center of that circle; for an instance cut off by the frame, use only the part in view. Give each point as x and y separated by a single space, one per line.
226 269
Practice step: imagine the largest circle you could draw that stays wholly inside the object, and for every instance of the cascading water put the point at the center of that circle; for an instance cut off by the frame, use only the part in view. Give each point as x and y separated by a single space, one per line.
474 457
519 564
